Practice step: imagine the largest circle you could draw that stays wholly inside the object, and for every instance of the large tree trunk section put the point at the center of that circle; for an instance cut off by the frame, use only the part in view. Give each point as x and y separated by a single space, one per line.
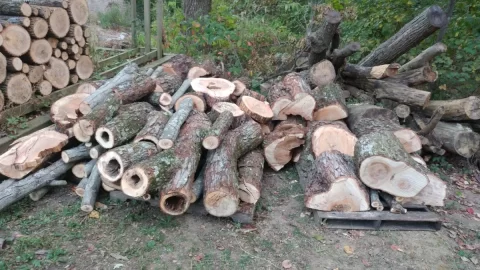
3 68
331 136
41 178
84 67
250 172
91 191
458 139
78 11
221 178
418 29
63 112
78 153
256 109
330 104
83 169
44 88
216 134
153 130
59 23
415 77
38 28
383 164
17 88
279 144
15 8
125 126
40 52
394 91
320 35
322 73
14 64
36 74
175 196
57 73
376 72
20 21
115 162
455 110
171 130
424 58
99 97
199 103
333 186
366 119
215 89
16 40
193 9
339 56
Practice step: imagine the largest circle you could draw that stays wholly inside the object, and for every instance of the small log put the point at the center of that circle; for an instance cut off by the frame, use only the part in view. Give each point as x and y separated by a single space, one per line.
78 11
43 12
15 8
25 68
330 104
14 64
16 40
84 67
59 23
376 72
40 52
330 136
216 134
91 191
2 101
425 57
36 74
57 73
97 151
72 64
83 169
239 88
57 53
383 164
128 122
360 95
322 73
245 213
153 130
73 79
172 128
179 65
193 73
458 139
415 77
75 32
52 3
457 109
320 35
221 178
409 36
82 42
17 88
41 178
375 200
115 162
339 56
395 207
38 194
78 153
20 21
72 49
333 186
256 109
199 103
215 89
250 172
63 112
401 110
53 42
80 188
63 45
44 88
38 28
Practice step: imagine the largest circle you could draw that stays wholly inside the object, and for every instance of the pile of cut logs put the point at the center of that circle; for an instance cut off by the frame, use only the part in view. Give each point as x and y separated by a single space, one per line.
43 47
181 132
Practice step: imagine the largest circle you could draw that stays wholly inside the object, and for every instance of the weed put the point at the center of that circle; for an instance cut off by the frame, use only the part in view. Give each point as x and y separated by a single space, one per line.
266 245
16 123
114 18
465 253
452 205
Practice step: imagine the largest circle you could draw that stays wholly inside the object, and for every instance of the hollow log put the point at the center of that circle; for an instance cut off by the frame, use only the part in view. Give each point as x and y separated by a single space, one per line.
76 154
376 72
41 178
383 164
17 88
57 73
125 126
330 104
322 73
91 191
250 173
63 112
320 35
457 109
409 36
220 127
256 109
58 23
38 28
221 178
174 124
16 40
153 129
414 77
424 58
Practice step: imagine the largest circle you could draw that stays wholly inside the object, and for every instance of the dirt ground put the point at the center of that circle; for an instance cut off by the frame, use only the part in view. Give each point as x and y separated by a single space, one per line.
54 234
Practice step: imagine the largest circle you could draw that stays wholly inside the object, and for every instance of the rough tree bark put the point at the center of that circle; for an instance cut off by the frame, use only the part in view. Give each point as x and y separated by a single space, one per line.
192 9
250 172
152 131
320 35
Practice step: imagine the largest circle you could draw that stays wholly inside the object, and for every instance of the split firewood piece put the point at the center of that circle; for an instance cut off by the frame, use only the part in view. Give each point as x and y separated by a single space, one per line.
193 73
35 75
80 188
458 139
175 196
365 119
321 34
28 152
63 112
90 87
115 162
125 126
415 76
322 73
17 88
376 72
333 186
383 164
245 213
240 87
153 130
16 40
15 8
330 104
256 109
329 136
83 169
425 57
59 23
84 67
279 98
301 102
394 91
199 103
221 178
91 191
457 109
57 73
179 65
395 207
279 144
360 95
85 128
375 201
3 68
409 36
339 56
174 124
14 64
126 75
250 172
39 179
97 151
215 89
216 134
76 154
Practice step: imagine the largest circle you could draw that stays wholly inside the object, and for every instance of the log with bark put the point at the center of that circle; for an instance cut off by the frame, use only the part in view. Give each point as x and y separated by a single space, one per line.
17 88
376 72
43 12
78 11
97 151
172 128
300 102
244 214
256 109
415 77
153 129
90 87
330 136
84 67
457 138
250 173
44 88
215 89
91 191
320 35
14 64
36 74
322 73
75 154
425 57
63 112
83 169
57 73
199 103
16 40
38 28
15 8
221 178
330 104
20 21
338 56
216 134
360 95
193 73
375 201
457 109
3 68
59 23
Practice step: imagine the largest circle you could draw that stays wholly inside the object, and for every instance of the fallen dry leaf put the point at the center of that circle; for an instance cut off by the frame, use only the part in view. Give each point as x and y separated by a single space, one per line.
287 264
396 248
101 206
318 237
94 214
443 87
470 211
348 249
118 256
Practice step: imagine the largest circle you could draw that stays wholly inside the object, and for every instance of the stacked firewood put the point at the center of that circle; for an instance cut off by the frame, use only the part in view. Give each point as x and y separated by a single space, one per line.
171 134
43 47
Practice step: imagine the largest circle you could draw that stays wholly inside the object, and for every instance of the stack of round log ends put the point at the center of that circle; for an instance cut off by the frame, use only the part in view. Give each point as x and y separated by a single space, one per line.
43 46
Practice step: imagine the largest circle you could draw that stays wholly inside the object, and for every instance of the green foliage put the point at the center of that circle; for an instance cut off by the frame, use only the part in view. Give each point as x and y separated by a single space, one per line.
114 18
15 123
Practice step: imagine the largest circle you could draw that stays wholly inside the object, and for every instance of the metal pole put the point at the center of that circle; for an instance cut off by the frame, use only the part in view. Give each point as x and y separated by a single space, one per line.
147 23
134 19
159 29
